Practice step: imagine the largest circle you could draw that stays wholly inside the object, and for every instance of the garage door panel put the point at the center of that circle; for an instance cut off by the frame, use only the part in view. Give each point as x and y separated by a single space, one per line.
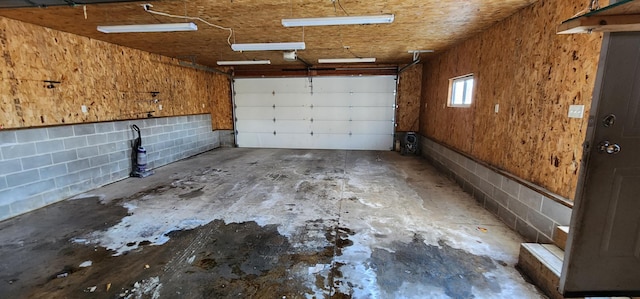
322 100
353 142
251 113
292 113
317 141
268 126
331 127
293 126
366 127
372 84
372 113
258 126
266 140
270 85
352 113
281 100
341 113
372 100
331 141
329 113
353 127
358 100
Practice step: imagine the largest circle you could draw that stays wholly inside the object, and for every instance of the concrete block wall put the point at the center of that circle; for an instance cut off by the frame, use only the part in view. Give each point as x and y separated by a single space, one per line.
227 138
43 165
531 211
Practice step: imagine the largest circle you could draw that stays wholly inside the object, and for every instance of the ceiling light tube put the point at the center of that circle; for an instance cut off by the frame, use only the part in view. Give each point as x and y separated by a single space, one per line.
269 46
165 27
244 62
330 21
346 60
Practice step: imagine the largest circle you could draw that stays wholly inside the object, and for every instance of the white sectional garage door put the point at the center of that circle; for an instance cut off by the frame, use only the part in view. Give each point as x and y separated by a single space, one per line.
325 113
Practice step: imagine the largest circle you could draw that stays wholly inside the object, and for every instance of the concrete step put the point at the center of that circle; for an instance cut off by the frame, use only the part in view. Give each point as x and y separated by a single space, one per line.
543 264
560 237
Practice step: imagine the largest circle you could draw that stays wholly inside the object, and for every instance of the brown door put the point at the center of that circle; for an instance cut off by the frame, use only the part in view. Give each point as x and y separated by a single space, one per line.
603 250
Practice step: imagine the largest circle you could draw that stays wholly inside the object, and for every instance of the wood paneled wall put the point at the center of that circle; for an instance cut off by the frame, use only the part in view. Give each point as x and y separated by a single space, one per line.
222 113
113 82
409 90
533 75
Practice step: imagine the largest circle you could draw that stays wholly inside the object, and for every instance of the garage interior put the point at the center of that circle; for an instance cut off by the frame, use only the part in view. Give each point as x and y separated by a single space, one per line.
273 174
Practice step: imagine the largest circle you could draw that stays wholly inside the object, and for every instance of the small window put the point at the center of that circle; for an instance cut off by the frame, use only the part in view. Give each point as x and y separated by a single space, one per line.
461 91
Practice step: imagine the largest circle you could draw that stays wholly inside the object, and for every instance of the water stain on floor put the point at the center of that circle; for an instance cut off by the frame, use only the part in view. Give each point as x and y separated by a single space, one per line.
34 252
239 259
455 270
216 260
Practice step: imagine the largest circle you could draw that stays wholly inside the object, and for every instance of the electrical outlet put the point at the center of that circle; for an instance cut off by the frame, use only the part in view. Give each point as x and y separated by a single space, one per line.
84 109
576 111
160 107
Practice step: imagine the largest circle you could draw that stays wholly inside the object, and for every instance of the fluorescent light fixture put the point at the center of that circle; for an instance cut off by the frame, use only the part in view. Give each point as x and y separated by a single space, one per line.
346 60
269 47
165 27
244 62
329 21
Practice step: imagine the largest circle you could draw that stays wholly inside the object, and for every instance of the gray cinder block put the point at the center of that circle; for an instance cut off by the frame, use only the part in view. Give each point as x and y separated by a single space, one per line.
60 132
31 135
49 146
18 150
36 161
10 166
53 171
64 156
86 129
22 178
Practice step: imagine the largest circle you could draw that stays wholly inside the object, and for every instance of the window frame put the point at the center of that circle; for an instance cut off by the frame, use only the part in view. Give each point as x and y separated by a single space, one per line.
465 79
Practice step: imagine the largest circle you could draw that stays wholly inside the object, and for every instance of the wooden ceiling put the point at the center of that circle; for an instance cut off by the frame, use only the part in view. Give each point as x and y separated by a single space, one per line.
418 25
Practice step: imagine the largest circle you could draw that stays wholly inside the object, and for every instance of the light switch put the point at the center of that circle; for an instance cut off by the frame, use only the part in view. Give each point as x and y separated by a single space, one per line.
496 108
84 109
576 111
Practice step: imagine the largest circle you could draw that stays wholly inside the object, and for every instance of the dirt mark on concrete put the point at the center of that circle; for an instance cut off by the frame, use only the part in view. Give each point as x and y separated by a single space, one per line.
36 250
455 270
216 260
192 194
242 260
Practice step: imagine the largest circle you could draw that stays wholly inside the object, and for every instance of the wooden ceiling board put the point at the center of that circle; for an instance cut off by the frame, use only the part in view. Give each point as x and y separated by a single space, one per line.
419 24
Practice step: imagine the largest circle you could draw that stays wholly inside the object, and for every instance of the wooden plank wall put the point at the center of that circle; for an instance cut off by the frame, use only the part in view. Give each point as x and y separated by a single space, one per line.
409 90
534 75
222 113
113 82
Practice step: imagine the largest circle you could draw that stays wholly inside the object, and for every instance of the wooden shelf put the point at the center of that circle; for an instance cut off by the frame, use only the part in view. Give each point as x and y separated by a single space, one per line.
621 16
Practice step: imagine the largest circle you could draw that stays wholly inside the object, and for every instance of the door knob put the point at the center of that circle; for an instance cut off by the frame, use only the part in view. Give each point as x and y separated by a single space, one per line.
609 148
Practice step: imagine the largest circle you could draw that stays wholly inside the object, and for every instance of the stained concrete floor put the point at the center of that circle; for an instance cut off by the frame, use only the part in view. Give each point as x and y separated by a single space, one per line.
266 223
